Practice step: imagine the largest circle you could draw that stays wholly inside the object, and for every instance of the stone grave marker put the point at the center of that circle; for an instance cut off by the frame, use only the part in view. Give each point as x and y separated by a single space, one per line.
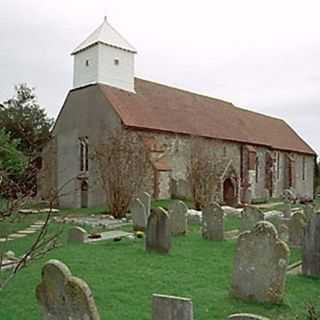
311 247
62 296
145 198
296 229
77 234
308 211
250 216
158 235
177 211
213 222
171 308
139 215
260 265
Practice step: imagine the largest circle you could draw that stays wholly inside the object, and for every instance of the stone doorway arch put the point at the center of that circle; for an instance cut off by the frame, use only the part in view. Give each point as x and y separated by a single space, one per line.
229 192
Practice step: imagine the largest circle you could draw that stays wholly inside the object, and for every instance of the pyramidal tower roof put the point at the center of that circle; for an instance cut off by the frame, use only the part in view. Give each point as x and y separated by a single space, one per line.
107 35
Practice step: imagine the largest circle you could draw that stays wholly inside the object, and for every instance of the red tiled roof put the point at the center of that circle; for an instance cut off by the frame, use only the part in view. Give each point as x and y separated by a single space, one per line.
162 108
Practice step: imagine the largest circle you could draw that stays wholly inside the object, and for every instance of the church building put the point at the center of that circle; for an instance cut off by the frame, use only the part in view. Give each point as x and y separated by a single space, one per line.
262 155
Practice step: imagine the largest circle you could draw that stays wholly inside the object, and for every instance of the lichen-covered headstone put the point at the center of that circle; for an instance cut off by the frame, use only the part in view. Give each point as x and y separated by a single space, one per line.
296 229
62 296
158 235
213 222
171 308
177 211
308 211
260 265
77 234
311 247
146 200
139 215
246 316
250 216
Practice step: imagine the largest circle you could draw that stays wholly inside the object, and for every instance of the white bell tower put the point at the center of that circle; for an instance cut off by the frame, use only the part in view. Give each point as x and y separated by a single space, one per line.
104 57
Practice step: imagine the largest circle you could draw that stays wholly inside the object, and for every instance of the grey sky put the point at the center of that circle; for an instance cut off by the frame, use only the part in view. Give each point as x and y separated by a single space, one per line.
262 55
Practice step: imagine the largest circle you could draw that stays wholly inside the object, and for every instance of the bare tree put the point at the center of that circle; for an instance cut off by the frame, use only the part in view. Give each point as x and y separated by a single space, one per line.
205 169
122 161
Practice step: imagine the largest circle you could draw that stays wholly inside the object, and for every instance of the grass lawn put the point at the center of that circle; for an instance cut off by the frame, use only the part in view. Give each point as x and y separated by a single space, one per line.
122 277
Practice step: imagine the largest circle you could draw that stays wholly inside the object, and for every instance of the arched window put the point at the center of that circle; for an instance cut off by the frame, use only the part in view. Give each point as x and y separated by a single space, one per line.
84 154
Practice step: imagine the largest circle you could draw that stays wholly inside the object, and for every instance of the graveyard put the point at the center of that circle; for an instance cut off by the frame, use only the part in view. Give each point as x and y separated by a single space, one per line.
123 273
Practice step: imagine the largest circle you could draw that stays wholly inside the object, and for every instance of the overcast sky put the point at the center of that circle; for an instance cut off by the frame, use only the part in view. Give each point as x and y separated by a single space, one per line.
262 55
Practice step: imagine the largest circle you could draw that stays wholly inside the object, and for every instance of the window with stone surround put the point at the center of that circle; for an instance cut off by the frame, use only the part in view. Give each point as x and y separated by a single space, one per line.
303 168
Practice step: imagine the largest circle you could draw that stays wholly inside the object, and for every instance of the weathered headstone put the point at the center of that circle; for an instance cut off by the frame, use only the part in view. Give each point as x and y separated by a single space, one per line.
177 211
213 222
77 234
146 200
311 247
250 216
287 198
158 235
139 215
62 296
296 229
246 316
260 265
308 211
171 308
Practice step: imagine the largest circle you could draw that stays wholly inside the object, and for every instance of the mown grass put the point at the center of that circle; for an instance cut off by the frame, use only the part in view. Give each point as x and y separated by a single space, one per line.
122 277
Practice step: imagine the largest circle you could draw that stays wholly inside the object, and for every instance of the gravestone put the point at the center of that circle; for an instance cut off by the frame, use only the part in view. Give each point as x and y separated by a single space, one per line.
77 234
260 265
308 211
311 247
177 211
246 316
139 215
158 236
213 222
62 296
250 216
171 308
146 200
296 229
287 199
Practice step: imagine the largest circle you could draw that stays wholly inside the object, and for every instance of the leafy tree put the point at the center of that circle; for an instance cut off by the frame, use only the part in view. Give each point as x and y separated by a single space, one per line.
12 161
24 119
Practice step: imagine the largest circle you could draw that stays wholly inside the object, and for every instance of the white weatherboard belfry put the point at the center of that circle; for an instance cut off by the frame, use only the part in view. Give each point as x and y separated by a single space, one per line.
104 57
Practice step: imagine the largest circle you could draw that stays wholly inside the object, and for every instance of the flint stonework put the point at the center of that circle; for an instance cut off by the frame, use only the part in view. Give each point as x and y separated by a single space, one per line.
62 296
158 235
260 265
178 217
171 308
213 222
311 247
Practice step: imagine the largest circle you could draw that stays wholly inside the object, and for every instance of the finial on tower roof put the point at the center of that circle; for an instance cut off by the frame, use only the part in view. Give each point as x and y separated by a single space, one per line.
105 18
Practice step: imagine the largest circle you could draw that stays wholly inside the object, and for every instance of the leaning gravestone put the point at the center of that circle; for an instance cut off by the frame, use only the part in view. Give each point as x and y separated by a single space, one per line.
250 216
260 265
171 308
62 296
145 198
177 211
77 234
311 247
308 211
212 222
158 236
139 215
296 229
